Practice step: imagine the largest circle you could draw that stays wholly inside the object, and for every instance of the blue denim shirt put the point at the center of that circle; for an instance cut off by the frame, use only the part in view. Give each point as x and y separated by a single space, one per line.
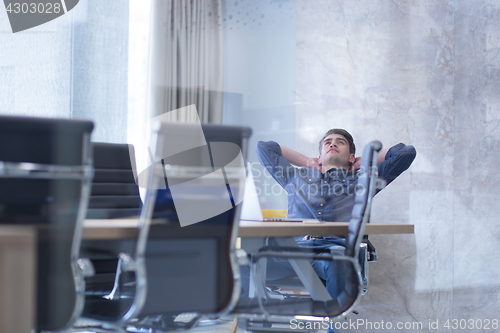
328 196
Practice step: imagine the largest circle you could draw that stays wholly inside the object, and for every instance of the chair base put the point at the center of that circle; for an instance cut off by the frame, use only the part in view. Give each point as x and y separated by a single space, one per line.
247 325
164 323
84 326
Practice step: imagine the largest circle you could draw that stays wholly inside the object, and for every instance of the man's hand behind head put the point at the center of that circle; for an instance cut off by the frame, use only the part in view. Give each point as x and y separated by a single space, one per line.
313 163
356 165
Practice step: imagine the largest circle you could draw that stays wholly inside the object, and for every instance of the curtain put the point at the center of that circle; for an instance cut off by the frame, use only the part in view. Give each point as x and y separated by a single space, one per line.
186 60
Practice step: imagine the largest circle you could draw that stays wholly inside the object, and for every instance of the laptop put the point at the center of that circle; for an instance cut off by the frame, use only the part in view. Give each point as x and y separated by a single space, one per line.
251 209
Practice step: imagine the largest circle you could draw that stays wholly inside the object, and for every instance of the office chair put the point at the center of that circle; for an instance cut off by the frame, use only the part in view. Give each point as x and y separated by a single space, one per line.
116 291
268 309
114 194
192 267
293 287
45 173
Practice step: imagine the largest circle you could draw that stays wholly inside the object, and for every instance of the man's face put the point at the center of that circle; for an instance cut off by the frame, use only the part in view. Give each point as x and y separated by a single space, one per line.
335 152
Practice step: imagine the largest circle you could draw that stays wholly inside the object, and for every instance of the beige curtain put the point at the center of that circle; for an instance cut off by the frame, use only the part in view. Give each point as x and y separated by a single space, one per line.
186 60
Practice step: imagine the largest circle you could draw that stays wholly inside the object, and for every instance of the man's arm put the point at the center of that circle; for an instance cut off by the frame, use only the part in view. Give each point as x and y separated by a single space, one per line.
270 156
396 160
298 159
381 155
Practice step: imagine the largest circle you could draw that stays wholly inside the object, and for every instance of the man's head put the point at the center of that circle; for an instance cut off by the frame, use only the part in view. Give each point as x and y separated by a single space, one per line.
337 149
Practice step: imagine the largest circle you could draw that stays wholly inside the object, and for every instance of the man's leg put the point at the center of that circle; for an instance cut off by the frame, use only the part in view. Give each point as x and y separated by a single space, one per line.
334 273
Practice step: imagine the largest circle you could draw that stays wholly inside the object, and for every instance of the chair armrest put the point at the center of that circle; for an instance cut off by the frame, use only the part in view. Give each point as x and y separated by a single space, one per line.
242 257
372 251
86 267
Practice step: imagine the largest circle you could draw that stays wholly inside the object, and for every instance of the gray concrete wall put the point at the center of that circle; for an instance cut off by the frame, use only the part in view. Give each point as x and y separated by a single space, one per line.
424 73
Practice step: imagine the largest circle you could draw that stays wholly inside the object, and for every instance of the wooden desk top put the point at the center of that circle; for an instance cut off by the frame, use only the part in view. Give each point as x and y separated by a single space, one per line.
290 229
119 229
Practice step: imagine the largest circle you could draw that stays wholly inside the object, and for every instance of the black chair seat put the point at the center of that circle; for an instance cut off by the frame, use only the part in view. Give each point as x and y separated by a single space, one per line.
292 282
286 307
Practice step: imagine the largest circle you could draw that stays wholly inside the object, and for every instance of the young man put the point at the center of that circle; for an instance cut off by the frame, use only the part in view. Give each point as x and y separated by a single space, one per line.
324 189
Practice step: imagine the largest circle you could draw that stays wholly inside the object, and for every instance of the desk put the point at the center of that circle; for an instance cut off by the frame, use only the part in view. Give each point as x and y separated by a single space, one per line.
253 232
291 229
126 228
283 231
17 278
110 229
18 248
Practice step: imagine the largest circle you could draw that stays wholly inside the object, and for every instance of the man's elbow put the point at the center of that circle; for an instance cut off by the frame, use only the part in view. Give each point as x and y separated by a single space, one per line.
261 145
411 153
262 148
407 156
267 147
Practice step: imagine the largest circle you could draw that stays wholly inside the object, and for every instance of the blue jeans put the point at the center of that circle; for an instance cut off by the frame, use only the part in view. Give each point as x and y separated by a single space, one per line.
332 272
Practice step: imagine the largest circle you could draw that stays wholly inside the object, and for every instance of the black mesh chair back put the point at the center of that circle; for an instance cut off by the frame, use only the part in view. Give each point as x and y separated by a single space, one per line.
45 174
190 257
365 190
115 193
362 202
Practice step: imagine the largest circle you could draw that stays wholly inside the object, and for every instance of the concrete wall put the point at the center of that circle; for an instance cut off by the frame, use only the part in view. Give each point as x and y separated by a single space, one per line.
424 73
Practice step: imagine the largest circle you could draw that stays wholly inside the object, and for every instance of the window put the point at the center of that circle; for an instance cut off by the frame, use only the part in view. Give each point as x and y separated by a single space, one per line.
90 63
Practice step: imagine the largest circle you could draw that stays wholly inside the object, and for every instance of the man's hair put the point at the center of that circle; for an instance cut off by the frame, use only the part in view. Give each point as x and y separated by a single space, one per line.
345 134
